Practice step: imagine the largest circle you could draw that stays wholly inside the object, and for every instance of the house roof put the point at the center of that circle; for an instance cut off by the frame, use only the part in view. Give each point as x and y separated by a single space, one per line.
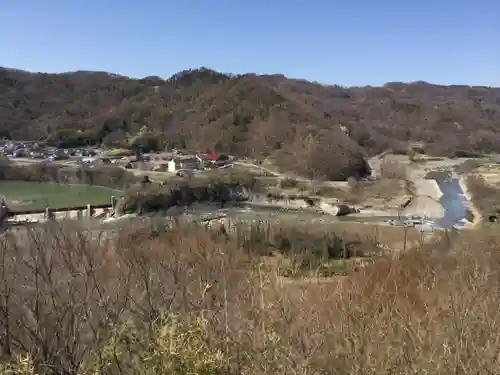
210 156
182 159
160 162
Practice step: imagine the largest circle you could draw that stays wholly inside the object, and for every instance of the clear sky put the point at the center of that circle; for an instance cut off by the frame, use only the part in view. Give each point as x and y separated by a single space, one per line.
355 42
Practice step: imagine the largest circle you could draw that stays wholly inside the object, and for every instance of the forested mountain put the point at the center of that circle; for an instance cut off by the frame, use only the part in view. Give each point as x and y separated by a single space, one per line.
315 129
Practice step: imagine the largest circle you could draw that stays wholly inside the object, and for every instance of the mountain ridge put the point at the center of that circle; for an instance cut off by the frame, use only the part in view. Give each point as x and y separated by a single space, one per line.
229 75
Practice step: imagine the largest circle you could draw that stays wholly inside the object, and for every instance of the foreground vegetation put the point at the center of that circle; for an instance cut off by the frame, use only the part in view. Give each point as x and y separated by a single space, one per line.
197 301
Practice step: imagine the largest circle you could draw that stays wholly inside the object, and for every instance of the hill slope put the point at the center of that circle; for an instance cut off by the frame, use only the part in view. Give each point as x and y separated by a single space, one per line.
295 122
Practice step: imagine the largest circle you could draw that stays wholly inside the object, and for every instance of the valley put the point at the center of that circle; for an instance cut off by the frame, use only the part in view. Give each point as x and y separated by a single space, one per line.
266 205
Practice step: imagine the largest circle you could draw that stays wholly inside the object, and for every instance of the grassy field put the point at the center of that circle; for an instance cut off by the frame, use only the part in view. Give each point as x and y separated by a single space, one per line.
38 195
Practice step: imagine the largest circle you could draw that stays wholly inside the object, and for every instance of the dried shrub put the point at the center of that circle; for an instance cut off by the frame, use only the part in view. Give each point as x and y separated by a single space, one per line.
484 196
394 170
197 301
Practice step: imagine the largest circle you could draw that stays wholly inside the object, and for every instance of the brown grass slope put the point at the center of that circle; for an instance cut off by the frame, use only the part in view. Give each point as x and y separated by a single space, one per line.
195 301
262 116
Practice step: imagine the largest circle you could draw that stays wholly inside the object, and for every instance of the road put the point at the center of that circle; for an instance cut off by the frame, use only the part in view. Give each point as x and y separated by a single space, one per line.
168 174
37 161
261 168
337 184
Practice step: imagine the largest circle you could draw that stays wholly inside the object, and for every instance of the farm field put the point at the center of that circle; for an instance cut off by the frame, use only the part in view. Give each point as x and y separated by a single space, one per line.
22 195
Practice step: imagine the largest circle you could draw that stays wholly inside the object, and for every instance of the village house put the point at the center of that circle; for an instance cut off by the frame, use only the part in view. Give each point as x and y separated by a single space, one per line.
208 160
198 162
179 163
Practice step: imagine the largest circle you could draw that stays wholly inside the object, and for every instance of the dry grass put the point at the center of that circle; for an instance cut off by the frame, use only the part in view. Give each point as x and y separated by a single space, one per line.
484 196
102 175
197 301
396 238
490 172
384 189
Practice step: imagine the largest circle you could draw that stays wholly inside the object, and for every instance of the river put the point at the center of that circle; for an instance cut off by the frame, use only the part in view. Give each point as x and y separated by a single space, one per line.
454 203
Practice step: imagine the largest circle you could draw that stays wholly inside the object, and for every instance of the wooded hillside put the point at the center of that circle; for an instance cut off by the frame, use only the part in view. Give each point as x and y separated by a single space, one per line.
314 129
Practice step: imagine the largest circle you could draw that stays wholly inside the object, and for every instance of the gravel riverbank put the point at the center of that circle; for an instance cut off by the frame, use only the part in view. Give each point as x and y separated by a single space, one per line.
426 200
472 207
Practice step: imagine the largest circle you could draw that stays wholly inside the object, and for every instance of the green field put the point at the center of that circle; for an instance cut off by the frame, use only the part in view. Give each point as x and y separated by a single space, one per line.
38 195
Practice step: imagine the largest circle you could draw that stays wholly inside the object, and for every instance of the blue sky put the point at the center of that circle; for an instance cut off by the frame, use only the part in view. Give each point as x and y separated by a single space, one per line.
354 42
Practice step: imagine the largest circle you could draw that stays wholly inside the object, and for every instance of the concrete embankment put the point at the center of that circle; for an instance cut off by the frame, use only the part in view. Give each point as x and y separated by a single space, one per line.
462 181
433 189
300 203
426 200
58 215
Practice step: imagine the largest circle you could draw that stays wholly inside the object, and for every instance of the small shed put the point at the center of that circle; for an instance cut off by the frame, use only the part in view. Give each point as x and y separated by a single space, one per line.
178 163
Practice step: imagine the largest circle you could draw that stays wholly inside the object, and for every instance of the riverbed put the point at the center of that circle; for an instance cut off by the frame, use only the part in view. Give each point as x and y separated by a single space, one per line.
451 200
447 208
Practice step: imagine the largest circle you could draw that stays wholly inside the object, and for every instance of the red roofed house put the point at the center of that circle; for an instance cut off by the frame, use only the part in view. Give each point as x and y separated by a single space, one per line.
211 158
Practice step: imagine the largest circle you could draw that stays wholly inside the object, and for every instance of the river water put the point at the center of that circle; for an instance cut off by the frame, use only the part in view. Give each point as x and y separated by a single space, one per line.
454 203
